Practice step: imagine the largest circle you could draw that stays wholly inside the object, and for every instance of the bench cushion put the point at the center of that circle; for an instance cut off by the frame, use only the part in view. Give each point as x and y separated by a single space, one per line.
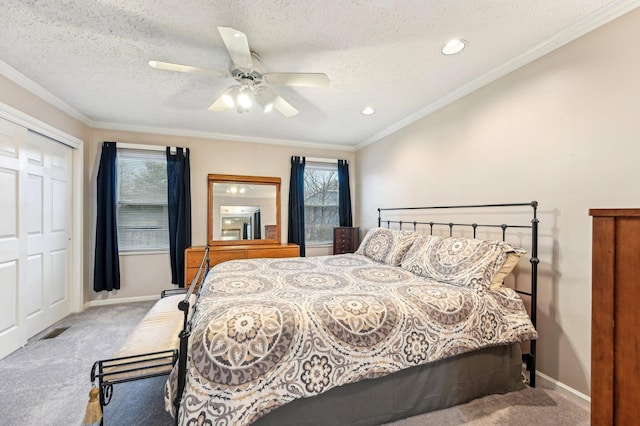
158 331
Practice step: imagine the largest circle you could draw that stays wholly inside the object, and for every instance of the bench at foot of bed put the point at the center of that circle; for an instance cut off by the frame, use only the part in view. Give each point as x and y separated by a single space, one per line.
150 350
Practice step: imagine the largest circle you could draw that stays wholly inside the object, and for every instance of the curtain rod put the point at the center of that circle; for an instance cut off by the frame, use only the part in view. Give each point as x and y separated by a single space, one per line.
143 146
321 160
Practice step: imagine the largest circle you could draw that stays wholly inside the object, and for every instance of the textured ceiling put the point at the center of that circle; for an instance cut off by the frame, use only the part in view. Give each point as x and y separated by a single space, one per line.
92 55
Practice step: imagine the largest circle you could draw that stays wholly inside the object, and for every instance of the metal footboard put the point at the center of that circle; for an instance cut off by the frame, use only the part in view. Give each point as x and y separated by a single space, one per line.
185 306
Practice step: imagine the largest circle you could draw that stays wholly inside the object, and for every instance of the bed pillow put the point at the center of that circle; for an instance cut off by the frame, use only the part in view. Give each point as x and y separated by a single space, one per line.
460 261
498 279
387 245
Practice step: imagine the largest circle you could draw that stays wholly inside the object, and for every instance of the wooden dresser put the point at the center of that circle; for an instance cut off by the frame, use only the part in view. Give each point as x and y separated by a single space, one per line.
218 254
345 239
615 317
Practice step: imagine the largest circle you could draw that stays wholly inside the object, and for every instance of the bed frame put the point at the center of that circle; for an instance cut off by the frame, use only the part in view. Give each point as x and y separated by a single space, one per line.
527 358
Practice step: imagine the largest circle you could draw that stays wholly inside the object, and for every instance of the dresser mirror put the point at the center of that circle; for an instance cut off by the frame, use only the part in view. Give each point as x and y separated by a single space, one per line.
243 209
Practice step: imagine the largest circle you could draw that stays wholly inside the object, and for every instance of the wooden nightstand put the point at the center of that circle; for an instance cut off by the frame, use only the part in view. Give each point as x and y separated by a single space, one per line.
345 239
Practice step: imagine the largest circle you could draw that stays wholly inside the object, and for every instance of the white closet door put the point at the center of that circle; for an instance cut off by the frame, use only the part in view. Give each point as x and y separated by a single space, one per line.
35 223
13 248
48 231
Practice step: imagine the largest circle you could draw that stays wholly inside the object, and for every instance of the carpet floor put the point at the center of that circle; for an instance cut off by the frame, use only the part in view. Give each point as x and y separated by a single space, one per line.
47 383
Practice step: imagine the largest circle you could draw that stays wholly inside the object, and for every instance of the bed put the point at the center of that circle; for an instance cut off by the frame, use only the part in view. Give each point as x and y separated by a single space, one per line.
410 323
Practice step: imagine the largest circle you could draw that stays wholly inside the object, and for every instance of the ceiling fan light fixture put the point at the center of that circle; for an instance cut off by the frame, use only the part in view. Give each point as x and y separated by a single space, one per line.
244 100
254 81
265 98
228 100
453 46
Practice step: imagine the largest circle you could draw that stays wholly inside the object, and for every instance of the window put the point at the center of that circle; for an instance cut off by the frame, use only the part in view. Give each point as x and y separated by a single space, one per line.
320 202
143 219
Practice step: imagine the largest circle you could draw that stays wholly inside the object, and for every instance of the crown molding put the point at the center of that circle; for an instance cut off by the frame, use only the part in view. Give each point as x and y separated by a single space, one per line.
218 136
589 23
33 87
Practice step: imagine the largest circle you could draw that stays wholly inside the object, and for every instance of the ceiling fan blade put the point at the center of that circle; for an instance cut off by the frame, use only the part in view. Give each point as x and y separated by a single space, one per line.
224 101
238 46
284 107
168 66
297 79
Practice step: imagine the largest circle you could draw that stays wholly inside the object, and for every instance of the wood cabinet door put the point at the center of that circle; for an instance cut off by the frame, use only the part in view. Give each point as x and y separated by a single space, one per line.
615 343
626 321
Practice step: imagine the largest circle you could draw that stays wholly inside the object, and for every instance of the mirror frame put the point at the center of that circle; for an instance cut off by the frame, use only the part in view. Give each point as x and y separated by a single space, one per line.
254 180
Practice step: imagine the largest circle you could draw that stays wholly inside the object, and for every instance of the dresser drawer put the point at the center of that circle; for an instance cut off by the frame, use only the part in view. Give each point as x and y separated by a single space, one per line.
220 256
193 257
285 251
345 239
190 274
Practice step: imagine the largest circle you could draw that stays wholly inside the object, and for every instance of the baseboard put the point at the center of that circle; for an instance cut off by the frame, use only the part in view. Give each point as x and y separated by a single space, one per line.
120 300
551 383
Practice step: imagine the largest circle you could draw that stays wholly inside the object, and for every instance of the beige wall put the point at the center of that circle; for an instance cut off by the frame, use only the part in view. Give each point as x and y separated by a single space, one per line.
28 103
563 130
148 274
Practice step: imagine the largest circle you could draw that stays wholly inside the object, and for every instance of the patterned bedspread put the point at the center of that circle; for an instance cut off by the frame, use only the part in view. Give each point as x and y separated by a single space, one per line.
268 331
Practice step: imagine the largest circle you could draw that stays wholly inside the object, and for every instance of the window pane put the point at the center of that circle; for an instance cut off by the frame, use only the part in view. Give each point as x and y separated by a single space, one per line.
142 217
142 177
143 239
142 200
320 203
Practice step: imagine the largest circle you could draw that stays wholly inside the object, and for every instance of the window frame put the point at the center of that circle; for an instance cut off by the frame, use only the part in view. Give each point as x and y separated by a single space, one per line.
326 165
131 151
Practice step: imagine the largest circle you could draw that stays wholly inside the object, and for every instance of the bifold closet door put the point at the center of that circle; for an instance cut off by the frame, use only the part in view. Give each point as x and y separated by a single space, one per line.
35 236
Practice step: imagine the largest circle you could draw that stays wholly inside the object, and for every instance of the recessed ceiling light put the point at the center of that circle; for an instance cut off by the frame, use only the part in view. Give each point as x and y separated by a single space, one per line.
453 46
368 111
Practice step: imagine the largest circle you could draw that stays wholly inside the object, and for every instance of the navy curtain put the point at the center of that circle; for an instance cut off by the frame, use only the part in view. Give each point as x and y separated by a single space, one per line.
179 203
106 271
344 194
257 235
296 203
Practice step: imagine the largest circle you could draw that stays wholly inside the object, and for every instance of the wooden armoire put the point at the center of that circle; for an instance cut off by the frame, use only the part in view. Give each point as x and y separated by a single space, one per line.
615 343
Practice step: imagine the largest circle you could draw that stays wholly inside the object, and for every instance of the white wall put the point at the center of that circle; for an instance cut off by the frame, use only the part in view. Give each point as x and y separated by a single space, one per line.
563 130
148 274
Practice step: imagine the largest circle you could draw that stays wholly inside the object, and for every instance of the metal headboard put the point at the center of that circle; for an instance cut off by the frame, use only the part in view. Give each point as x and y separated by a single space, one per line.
528 358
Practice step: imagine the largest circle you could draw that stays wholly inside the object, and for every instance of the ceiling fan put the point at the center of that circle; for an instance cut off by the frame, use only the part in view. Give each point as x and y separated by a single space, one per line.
254 81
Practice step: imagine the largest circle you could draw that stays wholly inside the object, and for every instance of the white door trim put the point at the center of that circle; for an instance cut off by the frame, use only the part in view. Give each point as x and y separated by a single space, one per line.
25 120
77 261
